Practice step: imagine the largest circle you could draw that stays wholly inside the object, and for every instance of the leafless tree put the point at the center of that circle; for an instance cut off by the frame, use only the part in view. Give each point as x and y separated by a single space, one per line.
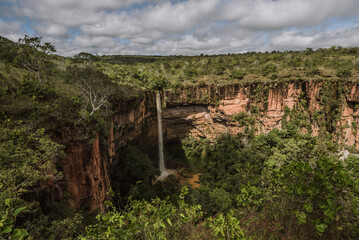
95 87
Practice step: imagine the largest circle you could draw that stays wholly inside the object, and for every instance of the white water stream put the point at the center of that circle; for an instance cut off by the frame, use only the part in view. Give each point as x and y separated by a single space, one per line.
164 171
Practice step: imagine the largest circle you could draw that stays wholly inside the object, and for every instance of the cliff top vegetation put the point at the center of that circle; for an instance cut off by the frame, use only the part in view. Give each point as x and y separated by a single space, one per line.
151 72
178 71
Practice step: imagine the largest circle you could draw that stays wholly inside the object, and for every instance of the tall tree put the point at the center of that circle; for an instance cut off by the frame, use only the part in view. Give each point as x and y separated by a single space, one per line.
32 55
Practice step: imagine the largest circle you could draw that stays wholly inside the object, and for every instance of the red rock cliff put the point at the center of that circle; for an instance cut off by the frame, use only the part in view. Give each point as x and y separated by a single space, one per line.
203 112
86 174
87 170
207 111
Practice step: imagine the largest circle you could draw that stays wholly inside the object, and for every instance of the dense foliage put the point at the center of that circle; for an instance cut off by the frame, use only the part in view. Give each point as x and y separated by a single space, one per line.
43 97
180 71
27 160
280 185
294 185
160 219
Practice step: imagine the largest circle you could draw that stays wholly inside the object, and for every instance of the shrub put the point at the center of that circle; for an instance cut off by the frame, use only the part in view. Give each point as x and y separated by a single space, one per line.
238 74
344 73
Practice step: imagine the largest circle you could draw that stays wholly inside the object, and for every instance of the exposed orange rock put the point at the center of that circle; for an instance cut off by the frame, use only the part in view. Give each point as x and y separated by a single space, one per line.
99 179
189 114
313 95
191 179
74 173
234 104
86 175
353 95
291 100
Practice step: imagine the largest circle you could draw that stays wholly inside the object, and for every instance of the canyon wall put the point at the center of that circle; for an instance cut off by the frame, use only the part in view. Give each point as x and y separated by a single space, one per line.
87 165
86 175
206 112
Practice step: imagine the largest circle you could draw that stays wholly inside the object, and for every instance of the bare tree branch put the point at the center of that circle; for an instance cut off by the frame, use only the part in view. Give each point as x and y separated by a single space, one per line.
94 86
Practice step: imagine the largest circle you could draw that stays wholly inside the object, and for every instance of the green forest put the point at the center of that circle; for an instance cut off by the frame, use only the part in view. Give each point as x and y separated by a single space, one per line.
285 184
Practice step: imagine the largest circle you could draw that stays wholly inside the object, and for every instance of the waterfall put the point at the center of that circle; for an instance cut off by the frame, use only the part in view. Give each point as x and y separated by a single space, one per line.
160 137
164 171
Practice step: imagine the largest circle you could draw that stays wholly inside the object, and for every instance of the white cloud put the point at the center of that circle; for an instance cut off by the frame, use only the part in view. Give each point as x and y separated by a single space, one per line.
14 36
165 18
301 40
180 17
69 12
52 30
268 14
98 42
7 27
183 26
115 25
92 5
66 17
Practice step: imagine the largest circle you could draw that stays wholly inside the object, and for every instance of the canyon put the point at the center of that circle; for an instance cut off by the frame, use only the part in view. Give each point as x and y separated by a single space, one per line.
205 112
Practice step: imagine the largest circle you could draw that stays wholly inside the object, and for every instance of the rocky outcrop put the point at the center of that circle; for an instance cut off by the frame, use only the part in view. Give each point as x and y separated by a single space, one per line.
87 167
86 175
353 93
203 112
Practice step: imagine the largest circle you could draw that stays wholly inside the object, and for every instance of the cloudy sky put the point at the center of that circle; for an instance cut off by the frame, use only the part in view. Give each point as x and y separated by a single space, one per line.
187 27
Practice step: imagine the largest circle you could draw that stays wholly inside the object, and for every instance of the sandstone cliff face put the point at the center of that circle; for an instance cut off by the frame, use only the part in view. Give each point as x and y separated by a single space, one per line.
203 112
190 113
87 169
86 175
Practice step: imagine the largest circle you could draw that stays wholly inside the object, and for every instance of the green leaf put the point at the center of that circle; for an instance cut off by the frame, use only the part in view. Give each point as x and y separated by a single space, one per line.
8 202
308 207
19 210
6 229
19 233
222 232
321 228
4 216
169 221
162 225
24 232
301 216
16 234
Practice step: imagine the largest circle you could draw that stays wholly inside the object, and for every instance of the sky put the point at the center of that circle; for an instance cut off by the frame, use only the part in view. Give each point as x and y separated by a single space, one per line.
182 27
